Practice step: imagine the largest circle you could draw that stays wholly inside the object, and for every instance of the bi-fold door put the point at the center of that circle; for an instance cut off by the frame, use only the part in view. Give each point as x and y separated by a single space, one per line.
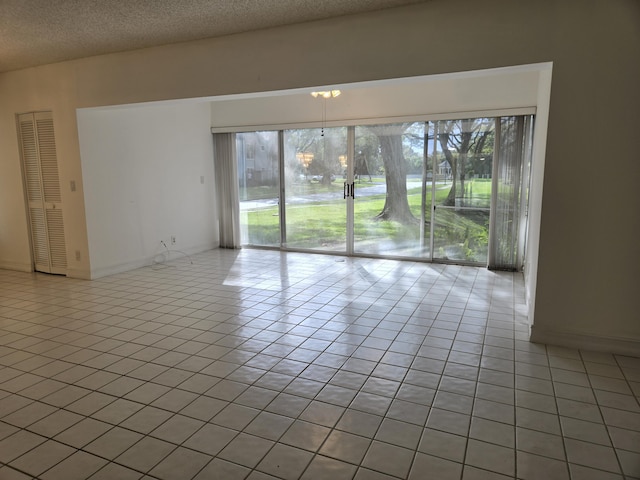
42 185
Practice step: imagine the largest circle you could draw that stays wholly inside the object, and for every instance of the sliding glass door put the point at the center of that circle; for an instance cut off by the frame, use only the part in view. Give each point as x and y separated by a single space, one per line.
259 188
445 190
392 190
315 210
463 154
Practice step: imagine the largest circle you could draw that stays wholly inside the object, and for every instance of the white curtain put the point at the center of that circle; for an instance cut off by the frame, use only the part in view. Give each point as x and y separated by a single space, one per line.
507 190
226 170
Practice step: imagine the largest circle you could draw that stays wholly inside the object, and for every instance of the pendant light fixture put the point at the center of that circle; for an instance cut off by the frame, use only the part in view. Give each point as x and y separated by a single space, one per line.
324 95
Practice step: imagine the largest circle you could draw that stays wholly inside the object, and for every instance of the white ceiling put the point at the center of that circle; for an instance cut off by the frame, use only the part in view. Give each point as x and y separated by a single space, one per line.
37 32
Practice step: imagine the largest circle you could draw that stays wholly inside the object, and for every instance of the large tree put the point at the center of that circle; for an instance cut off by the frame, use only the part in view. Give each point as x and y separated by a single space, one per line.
323 146
396 205
466 138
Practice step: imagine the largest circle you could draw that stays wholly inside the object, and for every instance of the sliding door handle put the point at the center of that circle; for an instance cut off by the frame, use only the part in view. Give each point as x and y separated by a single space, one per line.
348 190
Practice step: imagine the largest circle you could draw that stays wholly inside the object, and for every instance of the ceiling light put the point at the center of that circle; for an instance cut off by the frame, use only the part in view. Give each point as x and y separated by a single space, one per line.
326 94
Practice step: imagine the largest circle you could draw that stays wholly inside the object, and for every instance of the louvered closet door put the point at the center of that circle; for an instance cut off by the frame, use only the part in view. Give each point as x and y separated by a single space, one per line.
43 191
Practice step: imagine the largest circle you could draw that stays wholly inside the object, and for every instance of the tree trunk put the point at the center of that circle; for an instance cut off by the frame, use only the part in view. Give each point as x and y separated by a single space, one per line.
450 201
469 139
396 205
326 178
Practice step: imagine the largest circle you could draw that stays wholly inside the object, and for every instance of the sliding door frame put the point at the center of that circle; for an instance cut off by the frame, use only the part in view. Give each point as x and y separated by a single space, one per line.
349 180
527 138
282 208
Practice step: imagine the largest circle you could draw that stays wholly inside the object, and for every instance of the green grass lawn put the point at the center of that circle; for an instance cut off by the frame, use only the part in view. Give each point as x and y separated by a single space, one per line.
302 188
323 224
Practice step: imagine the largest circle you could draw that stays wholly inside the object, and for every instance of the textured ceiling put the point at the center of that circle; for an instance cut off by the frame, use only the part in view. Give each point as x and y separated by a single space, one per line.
37 32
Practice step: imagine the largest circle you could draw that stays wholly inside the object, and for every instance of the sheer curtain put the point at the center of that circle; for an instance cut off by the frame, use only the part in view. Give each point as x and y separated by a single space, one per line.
507 190
226 170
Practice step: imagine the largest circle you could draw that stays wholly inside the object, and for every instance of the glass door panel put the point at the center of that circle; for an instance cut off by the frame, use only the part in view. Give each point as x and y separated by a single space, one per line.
315 206
392 190
463 162
258 188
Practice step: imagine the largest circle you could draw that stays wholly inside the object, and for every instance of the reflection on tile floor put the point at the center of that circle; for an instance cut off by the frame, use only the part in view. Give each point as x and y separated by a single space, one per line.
260 364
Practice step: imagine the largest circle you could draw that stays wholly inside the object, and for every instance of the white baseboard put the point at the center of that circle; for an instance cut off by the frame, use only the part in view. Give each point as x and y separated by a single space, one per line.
17 266
145 262
27 267
78 273
581 341
117 268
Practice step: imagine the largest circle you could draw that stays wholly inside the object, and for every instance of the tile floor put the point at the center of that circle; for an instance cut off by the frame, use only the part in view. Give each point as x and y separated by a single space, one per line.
260 364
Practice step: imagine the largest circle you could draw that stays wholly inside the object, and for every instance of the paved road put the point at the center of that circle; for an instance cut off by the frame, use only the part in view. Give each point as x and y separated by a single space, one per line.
378 189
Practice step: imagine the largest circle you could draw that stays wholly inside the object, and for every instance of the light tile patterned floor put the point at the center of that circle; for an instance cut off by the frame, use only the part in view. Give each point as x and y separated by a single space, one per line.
259 364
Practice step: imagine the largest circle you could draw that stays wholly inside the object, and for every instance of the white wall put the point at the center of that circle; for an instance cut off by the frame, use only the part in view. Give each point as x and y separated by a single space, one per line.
15 252
142 169
50 90
534 217
453 94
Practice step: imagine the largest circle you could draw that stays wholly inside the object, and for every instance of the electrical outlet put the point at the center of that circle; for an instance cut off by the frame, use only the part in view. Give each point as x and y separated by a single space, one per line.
78 255
173 239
